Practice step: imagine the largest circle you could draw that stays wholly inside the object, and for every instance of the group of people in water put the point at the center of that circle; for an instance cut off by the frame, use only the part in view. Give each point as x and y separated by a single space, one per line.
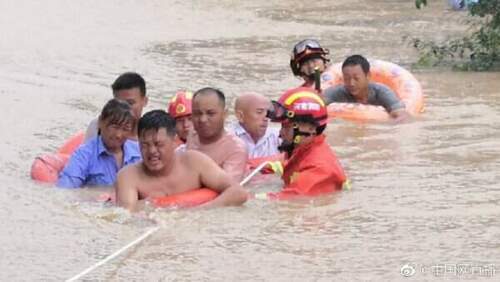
164 153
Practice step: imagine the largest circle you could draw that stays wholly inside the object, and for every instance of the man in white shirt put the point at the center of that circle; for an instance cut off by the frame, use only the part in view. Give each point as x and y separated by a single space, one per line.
252 126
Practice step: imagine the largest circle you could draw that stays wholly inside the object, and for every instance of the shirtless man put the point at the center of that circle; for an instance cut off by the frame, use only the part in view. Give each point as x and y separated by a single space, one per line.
253 126
163 172
210 137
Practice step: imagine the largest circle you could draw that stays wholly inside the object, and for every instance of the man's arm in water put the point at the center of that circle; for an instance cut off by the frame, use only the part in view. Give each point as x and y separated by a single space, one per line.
213 177
391 102
399 115
127 195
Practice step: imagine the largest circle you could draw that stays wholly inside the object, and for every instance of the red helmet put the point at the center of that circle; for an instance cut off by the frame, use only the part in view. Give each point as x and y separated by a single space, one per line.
306 49
300 104
180 104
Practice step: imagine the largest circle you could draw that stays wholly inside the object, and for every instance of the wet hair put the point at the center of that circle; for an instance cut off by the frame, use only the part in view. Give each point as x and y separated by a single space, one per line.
156 119
356 60
129 80
117 112
208 90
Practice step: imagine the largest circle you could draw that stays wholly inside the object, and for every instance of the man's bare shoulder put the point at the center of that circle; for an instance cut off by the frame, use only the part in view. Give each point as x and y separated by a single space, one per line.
131 170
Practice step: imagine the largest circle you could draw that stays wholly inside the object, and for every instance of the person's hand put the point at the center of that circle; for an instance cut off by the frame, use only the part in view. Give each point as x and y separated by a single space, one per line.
275 167
258 196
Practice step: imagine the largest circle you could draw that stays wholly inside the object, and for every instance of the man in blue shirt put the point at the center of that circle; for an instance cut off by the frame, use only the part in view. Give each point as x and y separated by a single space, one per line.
97 162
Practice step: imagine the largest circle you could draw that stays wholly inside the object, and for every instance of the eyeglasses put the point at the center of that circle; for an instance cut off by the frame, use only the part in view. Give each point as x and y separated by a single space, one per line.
278 112
306 44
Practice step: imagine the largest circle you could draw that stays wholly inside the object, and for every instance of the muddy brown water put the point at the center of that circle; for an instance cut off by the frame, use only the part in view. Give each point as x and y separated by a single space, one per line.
425 194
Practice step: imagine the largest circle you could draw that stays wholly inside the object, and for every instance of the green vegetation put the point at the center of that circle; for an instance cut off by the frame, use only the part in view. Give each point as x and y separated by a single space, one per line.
478 51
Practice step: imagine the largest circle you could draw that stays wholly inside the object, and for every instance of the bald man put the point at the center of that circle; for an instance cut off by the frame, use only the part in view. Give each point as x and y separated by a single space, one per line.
252 126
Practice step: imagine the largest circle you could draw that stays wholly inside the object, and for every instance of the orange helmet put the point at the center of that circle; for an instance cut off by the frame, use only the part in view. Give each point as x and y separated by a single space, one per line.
180 104
299 104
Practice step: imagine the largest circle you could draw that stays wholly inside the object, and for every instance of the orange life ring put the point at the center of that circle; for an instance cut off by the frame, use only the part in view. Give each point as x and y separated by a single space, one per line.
46 168
181 200
401 81
186 199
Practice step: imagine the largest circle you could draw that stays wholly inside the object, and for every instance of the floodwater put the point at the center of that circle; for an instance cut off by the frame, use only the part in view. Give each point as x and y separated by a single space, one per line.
425 194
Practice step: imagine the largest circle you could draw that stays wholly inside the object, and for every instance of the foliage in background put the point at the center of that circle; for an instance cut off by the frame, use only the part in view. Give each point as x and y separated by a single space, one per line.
478 51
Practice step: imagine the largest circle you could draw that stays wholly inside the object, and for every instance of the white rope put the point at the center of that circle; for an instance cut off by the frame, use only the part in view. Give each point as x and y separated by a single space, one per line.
147 234
253 173
115 254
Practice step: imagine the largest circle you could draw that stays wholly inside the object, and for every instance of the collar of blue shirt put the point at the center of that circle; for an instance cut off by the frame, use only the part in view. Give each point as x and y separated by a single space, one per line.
130 150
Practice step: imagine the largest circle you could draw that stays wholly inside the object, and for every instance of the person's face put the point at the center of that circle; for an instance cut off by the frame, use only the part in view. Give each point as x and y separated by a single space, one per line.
355 80
306 128
183 125
309 65
134 98
157 149
208 115
253 118
114 135
286 132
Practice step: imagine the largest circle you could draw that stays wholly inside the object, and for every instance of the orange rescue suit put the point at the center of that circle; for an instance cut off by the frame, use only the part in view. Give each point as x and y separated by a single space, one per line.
311 170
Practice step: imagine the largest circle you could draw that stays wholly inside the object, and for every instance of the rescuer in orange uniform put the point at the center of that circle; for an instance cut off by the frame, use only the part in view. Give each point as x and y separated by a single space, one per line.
311 167
180 108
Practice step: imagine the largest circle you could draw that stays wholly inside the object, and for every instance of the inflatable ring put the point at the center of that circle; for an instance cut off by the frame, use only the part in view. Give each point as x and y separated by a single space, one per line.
186 199
182 200
401 81
46 168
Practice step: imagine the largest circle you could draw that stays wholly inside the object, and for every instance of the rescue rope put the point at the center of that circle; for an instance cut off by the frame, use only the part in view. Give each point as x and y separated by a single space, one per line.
148 233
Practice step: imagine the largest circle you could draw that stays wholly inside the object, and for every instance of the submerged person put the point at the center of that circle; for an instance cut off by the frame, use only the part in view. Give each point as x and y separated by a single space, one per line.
311 167
180 108
96 162
210 137
129 87
357 88
307 57
253 126
166 172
